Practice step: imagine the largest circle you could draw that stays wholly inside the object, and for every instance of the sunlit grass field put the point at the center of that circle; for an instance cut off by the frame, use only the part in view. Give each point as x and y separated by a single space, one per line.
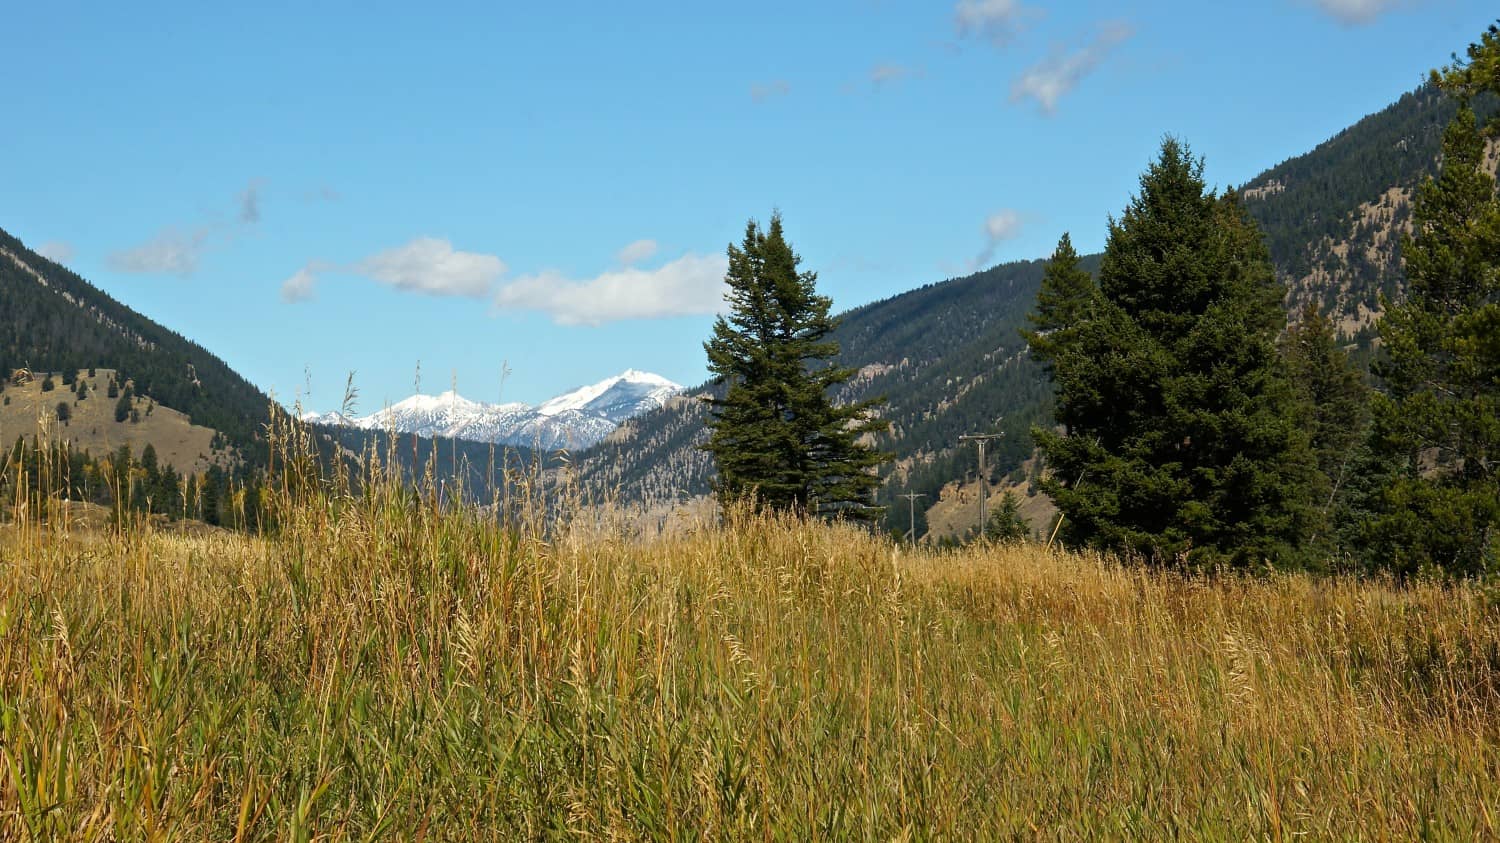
385 668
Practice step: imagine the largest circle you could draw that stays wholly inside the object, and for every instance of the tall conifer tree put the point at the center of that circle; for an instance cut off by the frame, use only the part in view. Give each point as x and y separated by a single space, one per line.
1438 419
1064 301
1335 408
1180 437
777 434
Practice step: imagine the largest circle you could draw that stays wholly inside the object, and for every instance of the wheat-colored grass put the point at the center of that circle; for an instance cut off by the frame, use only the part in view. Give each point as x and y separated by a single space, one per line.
384 668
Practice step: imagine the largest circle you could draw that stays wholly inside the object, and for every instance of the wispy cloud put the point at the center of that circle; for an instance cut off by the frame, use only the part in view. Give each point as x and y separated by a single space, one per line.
763 91
173 251
997 20
1356 12
57 251
178 249
1049 80
634 253
882 75
432 266
689 285
300 286
250 202
1004 224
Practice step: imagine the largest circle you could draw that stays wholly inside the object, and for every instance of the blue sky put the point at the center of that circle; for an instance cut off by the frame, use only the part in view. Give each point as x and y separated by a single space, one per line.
310 191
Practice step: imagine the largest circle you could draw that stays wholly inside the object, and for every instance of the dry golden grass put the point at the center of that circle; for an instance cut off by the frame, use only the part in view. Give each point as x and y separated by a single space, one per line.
178 441
382 669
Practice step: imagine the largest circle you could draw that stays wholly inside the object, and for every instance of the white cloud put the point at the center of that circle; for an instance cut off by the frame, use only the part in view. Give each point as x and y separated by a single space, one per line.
431 265
640 250
998 20
1356 12
1055 76
250 202
689 285
1002 225
171 251
884 74
57 251
300 286
760 92
999 227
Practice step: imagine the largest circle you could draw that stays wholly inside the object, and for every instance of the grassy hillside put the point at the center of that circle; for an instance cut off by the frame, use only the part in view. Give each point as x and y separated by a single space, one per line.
92 425
385 670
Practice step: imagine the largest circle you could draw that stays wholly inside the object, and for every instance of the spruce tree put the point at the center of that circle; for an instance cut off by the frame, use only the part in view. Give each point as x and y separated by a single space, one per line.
1006 524
1335 412
1063 302
1438 417
1179 430
776 433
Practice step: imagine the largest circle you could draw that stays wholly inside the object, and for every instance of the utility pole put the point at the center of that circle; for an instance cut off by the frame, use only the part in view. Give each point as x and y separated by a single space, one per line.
911 498
984 478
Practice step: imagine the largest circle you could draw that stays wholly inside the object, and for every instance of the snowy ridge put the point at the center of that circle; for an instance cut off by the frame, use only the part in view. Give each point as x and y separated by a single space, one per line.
573 420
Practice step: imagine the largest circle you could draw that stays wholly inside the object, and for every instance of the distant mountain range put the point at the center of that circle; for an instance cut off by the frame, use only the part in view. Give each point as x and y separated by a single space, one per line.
574 420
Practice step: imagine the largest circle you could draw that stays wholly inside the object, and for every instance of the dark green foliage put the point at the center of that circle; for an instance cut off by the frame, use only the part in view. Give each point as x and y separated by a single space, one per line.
1478 74
64 412
114 390
124 406
47 384
1335 413
1065 301
1006 524
777 434
1177 411
1437 421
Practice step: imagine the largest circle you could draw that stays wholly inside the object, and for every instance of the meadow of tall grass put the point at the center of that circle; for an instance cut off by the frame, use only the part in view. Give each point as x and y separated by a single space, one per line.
385 666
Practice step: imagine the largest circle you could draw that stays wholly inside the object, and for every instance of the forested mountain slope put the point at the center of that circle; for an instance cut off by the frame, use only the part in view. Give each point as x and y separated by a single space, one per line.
1334 217
948 360
51 320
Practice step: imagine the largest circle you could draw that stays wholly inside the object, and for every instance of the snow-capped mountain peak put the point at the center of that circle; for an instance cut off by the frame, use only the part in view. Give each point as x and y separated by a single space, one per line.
575 419
627 394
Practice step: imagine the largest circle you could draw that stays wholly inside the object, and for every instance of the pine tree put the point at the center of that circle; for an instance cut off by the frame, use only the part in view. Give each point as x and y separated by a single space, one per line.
777 434
1006 524
1180 436
1064 301
1335 411
1438 419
